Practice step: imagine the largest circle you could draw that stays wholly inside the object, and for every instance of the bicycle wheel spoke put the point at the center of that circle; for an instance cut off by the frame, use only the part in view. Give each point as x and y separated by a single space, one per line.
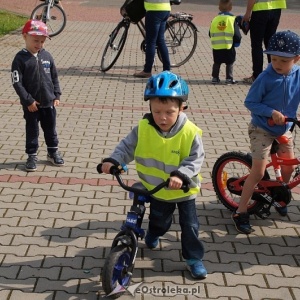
181 40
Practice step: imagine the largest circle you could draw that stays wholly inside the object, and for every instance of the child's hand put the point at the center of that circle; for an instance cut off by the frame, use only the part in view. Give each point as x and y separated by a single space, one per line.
106 167
278 118
175 183
56 102
33 107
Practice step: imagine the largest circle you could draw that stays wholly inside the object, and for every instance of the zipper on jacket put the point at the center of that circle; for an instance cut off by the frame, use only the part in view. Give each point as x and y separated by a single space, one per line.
39 78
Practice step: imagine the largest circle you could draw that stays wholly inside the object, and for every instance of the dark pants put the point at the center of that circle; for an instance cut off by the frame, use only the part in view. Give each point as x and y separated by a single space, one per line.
160 220
155 26
263 25
223 56
216 71
47 118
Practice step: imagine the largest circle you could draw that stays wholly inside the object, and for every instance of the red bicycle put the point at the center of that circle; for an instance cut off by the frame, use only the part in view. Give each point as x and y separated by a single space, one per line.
231 170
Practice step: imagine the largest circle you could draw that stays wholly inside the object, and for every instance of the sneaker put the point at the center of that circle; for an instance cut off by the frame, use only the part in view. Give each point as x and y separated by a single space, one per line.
282 210
56 159
151 241
142 74
197 269
249 80
215 81
30 165
230 82
241 222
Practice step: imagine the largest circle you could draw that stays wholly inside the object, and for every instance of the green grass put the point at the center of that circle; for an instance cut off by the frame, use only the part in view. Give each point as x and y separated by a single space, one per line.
10 22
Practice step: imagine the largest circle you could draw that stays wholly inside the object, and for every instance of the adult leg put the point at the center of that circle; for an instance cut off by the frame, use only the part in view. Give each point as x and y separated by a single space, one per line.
161 42
271 27
257 33
152 25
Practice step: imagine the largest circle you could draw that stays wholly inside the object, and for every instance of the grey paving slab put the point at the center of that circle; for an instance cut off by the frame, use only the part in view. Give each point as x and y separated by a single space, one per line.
57 224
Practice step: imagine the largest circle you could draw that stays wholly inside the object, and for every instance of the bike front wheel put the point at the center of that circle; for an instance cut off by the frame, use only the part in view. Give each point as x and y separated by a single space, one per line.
228 168
181 39
117 270
56 19
114 46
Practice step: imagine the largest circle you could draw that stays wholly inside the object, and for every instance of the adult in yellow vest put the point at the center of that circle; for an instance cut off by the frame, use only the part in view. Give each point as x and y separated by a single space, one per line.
263 17
157 14
166 145
225 36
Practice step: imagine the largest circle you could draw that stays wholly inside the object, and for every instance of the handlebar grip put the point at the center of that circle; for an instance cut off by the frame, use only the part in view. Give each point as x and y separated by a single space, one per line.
185 188
99 168
271 122
113 169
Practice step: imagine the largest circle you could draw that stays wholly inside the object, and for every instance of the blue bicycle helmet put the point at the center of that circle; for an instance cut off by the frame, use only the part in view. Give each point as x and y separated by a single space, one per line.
166 85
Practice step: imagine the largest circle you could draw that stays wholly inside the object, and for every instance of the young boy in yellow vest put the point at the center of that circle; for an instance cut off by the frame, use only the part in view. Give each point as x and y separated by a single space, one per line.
225 35
165 144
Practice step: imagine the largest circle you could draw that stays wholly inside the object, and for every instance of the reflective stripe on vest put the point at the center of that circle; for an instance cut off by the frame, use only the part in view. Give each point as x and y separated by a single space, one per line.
156 157
222 31
268 4
159 5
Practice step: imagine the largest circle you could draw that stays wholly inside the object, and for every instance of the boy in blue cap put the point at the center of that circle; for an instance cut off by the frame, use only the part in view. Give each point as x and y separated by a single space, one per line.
274 94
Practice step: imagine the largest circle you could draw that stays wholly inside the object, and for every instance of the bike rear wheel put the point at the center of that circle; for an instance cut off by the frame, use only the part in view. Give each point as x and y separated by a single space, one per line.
114 46
181 39
57 18
229 167
117 270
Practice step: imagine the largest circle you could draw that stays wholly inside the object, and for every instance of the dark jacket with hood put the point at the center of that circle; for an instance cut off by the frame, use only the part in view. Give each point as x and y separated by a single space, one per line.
35 78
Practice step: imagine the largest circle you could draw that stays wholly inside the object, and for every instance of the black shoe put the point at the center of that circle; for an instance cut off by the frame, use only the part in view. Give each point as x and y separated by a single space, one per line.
30 165
230 82
56 159
241 222
215 81
283 210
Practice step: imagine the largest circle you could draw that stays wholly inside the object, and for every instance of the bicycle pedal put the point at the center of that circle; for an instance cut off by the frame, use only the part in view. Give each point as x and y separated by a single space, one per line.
263 213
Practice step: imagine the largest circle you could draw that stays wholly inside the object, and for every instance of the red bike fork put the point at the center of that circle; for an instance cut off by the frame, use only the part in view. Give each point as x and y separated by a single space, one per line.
277 167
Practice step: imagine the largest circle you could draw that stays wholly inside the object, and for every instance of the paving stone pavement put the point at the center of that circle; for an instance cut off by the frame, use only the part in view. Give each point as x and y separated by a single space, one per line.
57 224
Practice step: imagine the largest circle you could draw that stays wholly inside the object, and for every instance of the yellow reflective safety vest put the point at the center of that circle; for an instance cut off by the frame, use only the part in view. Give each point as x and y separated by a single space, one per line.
158 5
156 157
222 32
268 5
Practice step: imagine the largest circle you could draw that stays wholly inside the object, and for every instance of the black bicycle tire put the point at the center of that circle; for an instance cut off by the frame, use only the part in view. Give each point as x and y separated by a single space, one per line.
51 34
192 29
120 47
237 157
108 270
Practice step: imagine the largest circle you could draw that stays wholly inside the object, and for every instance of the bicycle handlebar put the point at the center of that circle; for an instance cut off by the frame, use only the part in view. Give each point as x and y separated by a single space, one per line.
293 120
115 171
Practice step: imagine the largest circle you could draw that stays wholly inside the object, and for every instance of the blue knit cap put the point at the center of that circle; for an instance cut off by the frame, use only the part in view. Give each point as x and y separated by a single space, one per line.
284 43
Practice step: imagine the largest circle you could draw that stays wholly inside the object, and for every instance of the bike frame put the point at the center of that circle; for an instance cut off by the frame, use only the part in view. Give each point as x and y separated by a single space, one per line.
275 163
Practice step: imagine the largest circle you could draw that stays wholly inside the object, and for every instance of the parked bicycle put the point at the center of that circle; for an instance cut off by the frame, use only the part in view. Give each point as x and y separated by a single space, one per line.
119 264
51 13
180 35
231 170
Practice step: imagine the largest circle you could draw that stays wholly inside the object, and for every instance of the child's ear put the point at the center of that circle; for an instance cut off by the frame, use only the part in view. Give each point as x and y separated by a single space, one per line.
297 58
